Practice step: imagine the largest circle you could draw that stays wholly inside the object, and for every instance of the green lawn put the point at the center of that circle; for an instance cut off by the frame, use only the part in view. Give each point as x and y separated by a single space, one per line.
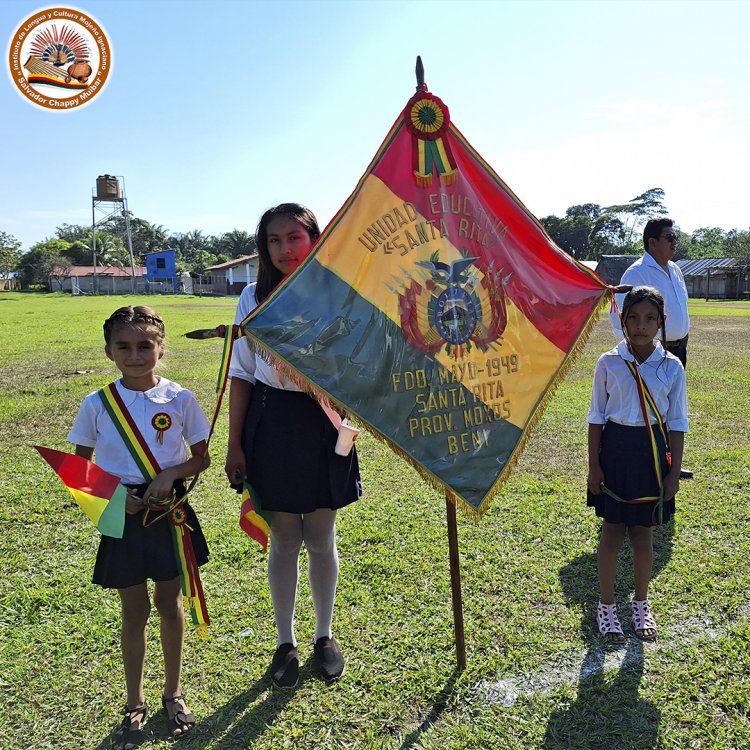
537 675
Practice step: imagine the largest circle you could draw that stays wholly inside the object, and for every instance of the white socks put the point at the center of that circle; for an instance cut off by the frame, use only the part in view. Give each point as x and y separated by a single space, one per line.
288 531
319 532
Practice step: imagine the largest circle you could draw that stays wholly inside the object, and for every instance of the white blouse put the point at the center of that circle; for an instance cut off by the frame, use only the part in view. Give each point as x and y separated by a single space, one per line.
614 394
94 428
245 364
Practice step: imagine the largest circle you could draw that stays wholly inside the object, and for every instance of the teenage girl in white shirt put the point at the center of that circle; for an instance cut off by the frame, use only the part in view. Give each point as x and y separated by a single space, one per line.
282 442
621 464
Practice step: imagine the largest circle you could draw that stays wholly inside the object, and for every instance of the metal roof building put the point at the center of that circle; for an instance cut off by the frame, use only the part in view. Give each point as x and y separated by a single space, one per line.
716 278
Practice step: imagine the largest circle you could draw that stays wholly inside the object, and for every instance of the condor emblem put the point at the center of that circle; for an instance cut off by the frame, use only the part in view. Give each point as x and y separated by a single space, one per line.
455 305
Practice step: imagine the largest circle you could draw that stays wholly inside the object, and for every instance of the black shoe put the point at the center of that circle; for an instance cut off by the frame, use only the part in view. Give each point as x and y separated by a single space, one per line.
285 667
329 661
686 474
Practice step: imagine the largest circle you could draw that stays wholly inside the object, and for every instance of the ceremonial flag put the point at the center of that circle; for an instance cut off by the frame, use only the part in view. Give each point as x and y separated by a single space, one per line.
100 495
434 308
254 521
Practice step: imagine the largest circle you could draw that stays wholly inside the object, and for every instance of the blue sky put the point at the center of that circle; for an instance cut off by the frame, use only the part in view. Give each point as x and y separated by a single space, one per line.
216 110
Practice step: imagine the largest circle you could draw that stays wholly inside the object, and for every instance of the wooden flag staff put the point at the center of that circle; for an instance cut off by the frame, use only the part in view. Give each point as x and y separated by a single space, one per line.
450 510
458 605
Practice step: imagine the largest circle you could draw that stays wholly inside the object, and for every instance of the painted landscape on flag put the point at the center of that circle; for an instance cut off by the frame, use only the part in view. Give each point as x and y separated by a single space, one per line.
434 308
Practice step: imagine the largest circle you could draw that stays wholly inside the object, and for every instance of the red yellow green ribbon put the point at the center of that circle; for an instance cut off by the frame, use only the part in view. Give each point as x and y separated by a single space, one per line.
230 334
190 581
129 432
647 403
254 521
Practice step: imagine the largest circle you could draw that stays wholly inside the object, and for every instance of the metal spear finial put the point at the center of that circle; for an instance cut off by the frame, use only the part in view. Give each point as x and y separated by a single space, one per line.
421 85
207 333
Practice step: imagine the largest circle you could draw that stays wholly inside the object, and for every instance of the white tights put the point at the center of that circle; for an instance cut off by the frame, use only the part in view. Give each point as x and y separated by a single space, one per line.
318 531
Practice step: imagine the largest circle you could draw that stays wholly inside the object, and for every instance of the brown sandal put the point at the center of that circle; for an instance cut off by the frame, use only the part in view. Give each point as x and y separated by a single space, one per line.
181 719
126 737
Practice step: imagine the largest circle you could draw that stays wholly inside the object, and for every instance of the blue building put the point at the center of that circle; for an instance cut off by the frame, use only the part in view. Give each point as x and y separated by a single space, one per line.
161 272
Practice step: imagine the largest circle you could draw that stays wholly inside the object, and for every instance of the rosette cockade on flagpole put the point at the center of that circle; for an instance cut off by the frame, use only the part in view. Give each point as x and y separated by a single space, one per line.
434 308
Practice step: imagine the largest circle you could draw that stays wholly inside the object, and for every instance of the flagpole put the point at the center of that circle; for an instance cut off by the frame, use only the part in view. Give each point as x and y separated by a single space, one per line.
458 606
450 510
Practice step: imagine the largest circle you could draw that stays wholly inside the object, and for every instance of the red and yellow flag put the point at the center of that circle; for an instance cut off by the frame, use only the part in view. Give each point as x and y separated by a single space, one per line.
434 308
100 495
254 521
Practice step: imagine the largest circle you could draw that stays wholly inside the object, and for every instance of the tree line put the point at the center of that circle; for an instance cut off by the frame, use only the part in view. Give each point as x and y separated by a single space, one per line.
73 245
587 231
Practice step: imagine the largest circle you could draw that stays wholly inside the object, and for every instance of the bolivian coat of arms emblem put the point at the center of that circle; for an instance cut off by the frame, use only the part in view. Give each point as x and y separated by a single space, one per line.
456 306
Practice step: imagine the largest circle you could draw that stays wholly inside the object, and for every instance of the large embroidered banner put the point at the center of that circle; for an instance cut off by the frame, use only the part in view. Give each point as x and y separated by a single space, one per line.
434 308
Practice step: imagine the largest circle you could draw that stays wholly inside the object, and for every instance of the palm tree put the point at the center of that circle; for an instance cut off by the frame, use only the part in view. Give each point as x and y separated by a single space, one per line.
237 242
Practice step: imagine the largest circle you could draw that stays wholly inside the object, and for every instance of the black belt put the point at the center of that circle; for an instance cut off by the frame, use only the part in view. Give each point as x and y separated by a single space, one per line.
677 343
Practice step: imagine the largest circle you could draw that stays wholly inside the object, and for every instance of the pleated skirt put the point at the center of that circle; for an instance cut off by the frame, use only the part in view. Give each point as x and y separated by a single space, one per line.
628 466
145 552
289 446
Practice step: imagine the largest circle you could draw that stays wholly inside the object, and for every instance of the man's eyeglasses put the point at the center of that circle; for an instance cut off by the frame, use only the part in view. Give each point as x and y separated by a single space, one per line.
670 237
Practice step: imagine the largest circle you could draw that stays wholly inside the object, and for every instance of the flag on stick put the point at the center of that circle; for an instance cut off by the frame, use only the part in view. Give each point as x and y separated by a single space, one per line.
254 521
100 495
435 308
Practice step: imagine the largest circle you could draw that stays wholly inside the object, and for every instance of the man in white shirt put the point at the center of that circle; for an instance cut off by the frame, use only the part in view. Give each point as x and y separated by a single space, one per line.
656 268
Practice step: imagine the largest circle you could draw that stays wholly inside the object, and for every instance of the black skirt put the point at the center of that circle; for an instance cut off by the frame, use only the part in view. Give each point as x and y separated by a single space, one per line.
628 466
289 446
145 551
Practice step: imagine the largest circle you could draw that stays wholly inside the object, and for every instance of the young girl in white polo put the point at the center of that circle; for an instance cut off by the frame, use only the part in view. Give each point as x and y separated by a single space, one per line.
173 431
637 423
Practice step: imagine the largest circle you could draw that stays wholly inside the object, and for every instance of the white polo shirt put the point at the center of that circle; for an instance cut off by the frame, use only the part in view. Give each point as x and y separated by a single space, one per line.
245 364
93 428
614 394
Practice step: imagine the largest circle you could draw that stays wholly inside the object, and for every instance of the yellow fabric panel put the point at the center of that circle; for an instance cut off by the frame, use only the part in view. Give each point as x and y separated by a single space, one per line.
374 273
92 506
511 376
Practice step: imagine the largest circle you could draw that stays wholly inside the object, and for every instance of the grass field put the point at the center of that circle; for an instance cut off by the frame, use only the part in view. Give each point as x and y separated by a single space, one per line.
538 676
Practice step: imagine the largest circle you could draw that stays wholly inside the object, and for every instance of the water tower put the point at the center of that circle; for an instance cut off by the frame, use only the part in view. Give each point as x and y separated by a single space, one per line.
108 201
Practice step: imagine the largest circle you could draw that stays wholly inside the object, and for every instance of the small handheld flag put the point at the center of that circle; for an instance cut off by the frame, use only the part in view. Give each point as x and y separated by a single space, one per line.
254 521
100 495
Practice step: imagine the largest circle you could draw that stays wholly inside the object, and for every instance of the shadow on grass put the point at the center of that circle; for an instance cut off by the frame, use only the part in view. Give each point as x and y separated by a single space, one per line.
439 705
607 712
233 725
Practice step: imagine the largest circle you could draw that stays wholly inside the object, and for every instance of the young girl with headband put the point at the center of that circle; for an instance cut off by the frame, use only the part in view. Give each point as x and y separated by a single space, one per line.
174 431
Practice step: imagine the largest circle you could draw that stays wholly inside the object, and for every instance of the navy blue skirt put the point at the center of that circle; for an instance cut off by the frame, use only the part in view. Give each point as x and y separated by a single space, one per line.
628 466
289 446
145 551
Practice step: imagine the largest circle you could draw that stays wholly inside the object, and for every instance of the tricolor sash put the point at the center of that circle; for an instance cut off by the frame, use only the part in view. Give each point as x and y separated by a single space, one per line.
648 404
190 581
